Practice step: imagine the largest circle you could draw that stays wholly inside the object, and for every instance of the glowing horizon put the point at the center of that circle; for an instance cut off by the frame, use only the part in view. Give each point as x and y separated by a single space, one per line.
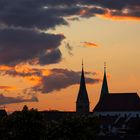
41 52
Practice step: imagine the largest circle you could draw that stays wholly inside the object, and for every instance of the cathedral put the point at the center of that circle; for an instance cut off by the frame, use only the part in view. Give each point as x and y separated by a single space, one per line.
109 103
117 112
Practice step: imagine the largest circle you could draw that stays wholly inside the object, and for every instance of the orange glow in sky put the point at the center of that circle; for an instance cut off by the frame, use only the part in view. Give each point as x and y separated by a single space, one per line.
108 15
96 38
7 88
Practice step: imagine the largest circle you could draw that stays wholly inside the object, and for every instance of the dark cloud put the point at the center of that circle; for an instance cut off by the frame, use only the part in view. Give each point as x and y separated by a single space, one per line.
118 8
50 57
28 13
36 13
11 100
21 21
20 46
61 2
60 79
69 48
128 12
21 71
55 79
26 72
111 4
45 14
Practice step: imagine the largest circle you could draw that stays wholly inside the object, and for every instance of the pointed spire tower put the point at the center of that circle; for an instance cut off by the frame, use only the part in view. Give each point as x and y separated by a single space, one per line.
104 90
82 103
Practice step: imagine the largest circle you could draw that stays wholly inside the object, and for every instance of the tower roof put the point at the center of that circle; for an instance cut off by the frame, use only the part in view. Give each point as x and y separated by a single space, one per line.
82 95
104 90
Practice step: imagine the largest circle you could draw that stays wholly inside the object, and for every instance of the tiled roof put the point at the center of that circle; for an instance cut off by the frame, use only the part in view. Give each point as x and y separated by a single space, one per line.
119 102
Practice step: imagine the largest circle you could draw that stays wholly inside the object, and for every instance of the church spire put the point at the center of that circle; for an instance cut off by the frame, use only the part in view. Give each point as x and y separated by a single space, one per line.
82 103
82 81
104 90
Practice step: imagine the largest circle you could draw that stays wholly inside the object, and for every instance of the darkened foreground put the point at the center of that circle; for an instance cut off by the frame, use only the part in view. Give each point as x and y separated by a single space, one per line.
30 125
33 125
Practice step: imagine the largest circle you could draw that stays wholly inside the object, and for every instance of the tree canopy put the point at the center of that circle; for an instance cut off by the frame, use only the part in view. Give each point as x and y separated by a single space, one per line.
30 125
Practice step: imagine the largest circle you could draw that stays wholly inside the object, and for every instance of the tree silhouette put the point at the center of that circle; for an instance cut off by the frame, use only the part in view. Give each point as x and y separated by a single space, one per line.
23 125
75 128
30 125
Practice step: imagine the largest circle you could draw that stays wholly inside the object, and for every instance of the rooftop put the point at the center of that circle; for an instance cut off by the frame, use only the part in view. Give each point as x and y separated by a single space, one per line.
118 102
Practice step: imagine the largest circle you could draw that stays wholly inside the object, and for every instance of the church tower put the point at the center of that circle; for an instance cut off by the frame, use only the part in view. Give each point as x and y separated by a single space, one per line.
104 90
82 103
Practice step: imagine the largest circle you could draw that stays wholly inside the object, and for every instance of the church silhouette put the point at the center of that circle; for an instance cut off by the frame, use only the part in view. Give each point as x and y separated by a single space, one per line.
124 104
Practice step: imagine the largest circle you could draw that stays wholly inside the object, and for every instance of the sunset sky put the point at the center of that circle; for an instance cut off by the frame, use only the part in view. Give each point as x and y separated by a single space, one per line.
43 43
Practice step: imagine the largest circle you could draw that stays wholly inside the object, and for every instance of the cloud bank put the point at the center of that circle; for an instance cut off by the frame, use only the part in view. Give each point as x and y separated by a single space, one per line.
47 81
18 46
60 79
45 14
23 24
11 100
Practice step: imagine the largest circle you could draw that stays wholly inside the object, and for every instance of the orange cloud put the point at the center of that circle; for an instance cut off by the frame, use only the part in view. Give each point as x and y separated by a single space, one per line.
3 68
8 88
120 17
33 71
23 69
89 44
45 72
83 12
34 80
108 15
32 75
